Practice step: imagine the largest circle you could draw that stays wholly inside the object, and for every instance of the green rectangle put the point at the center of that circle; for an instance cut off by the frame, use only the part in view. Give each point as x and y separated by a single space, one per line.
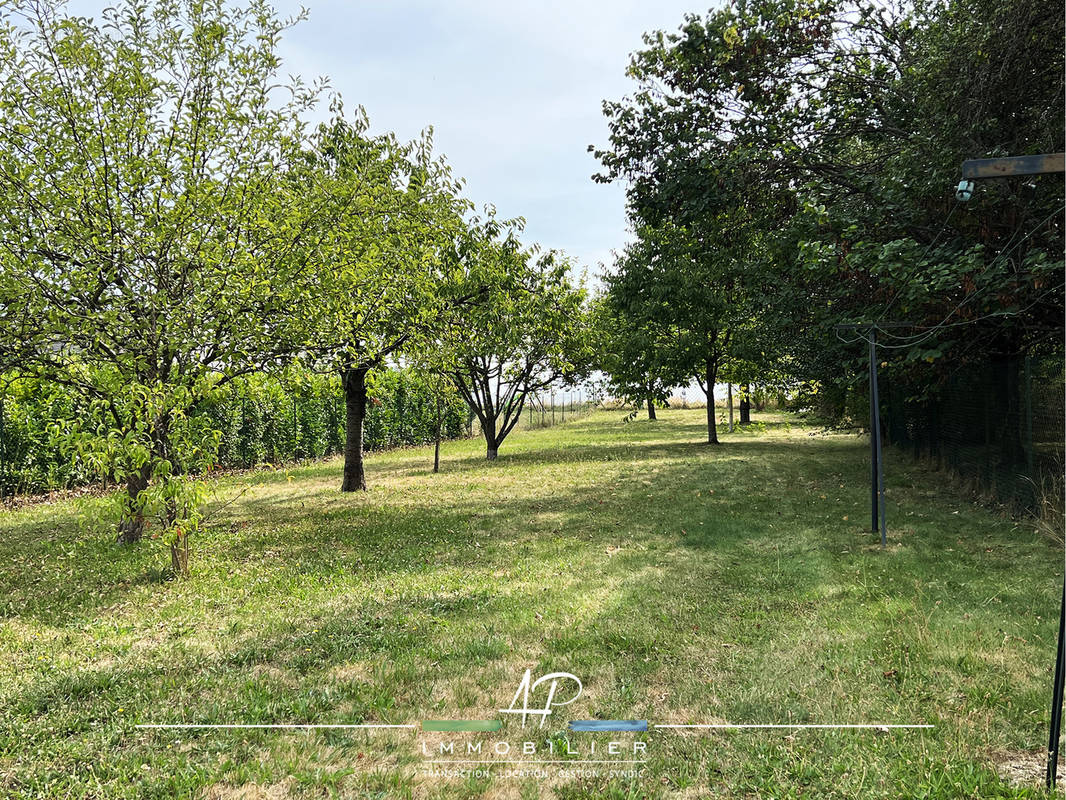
461 724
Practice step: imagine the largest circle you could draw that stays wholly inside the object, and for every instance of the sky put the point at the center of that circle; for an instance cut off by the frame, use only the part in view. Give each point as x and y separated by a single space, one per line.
513 92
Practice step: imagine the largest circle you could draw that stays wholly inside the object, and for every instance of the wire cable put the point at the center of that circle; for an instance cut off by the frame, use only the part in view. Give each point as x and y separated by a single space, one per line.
924 336
918 263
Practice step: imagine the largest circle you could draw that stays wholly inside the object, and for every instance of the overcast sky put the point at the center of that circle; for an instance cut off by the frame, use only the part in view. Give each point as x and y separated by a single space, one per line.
513 92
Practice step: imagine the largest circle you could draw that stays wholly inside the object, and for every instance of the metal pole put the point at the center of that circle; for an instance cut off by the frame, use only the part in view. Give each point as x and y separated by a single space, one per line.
3 447
1029 417
1056 699
876 415
873 433
882 504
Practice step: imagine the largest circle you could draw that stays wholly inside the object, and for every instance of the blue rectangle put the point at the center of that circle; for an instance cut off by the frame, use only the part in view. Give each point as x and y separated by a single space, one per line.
609 725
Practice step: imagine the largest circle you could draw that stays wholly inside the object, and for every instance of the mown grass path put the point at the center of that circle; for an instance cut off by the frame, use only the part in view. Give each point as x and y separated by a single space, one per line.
681 583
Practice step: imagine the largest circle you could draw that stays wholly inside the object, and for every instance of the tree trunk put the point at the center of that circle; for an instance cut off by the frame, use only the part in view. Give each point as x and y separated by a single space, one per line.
131 526
712 423
354 415
436 439
729 401
745 406
492 445
651 409
179 554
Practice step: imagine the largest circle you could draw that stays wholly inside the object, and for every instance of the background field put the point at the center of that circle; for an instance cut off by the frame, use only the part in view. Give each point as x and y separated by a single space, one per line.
682 583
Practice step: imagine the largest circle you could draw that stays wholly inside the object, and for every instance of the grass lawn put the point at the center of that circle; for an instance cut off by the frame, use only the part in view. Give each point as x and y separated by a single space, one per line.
681 583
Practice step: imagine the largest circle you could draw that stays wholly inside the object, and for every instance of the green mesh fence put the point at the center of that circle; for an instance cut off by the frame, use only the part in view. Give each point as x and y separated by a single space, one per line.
998 424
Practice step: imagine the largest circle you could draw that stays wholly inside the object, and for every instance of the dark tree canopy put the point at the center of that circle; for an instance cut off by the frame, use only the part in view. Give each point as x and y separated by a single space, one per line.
810 149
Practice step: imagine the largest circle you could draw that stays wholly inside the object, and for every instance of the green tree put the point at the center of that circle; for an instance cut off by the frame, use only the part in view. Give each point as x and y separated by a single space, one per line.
632 352
702 176
528 330
679 283
379 269
147 220
839 127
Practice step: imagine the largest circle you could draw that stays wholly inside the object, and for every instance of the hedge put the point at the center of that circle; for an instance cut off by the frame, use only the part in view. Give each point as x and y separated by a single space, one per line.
261 419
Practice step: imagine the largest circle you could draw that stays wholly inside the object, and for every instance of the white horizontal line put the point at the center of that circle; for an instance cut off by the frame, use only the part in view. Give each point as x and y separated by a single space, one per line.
282 725
717 726
499 761
736 725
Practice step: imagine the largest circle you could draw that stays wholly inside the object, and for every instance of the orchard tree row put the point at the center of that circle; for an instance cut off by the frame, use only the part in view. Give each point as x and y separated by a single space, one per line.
171 221
791 165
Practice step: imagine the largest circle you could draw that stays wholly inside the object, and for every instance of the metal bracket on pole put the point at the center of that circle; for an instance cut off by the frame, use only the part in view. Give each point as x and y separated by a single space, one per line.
1011 166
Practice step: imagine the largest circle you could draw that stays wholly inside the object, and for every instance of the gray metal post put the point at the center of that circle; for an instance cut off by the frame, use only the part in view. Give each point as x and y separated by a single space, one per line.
729 402
1029 418
875 418
1056 699
881 504
3 447
874 422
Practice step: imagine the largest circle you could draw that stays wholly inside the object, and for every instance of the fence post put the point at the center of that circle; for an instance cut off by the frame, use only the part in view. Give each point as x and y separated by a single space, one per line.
1056 698
986 452
1029 418
3 447
873 434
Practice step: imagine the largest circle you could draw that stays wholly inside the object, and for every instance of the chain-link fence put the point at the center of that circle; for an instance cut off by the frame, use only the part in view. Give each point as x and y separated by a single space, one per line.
998 424
545 409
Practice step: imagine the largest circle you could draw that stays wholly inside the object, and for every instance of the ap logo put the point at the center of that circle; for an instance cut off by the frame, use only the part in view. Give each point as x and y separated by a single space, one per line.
528 686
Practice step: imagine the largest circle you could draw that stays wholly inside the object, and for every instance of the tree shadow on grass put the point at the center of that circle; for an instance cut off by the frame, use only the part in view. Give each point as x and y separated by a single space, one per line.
749 446
635 585
707 500
74 576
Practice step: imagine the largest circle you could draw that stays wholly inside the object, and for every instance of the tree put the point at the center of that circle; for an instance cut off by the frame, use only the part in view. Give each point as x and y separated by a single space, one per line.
840 127
147 220
631 353
528 331
379 269
688 287
701 188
